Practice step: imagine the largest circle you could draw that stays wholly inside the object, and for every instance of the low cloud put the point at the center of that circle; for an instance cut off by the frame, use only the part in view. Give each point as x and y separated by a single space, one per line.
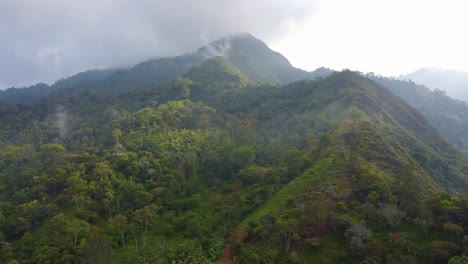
50 39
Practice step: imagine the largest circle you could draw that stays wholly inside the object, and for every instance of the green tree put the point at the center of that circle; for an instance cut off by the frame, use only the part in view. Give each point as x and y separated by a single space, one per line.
120 224
458 260
102 172
76 227
116 134
145 217
441 251
77 187
50 152
453 228
287 225
182 84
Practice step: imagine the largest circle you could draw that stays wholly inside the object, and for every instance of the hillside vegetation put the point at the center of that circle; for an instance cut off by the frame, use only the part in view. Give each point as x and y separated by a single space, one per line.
213 166
447 115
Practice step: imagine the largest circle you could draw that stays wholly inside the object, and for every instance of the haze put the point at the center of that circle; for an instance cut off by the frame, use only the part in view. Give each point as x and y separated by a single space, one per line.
47 40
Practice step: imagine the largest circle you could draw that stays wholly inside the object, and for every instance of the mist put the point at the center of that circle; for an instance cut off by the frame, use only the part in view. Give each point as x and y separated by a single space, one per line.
454 83
61 121
47 40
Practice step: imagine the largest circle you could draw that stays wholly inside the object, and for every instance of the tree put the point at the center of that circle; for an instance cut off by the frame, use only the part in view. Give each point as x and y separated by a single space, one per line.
77 186
107 200
453 228
51 152
458 260
76 227
28 214
440 251
392 214
102 172
116 134
145 217
120 224
181 85
287 225
58 230
356 234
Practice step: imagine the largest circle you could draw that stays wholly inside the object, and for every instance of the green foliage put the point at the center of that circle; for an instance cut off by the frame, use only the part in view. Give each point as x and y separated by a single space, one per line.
447 115
441 250
458 260
213 164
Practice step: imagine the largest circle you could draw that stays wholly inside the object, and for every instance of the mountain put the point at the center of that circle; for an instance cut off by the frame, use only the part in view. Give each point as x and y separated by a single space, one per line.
250 55
454 83
213 166
255 59
333 170
447 115
33 94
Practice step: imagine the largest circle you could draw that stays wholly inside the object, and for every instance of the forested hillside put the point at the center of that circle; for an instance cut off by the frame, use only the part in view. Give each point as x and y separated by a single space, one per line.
215 166
447 115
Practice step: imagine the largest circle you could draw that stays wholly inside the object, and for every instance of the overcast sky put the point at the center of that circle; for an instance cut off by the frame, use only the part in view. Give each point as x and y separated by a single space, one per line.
44 40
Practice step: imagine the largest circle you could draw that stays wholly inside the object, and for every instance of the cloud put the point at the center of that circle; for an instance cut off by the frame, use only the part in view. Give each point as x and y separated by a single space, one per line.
49 39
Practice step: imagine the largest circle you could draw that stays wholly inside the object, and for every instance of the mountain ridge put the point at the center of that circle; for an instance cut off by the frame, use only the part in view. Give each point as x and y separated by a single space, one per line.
449 116
453 82
249 54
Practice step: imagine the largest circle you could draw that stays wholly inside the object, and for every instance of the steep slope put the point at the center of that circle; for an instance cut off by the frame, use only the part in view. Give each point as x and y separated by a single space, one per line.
454 83
255 59
448 116
346 99
374 161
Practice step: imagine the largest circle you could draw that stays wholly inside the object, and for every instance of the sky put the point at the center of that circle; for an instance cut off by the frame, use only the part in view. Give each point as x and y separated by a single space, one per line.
43 41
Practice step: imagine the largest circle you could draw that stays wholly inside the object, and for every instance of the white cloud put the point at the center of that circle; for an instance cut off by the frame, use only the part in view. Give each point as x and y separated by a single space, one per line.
388 37
50 39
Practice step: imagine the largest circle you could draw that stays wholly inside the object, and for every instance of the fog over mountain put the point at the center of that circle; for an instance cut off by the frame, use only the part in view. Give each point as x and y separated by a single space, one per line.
48 40
43 41
454 83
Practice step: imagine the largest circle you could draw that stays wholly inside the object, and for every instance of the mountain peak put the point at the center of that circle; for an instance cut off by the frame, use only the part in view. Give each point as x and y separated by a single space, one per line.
232 45
254 58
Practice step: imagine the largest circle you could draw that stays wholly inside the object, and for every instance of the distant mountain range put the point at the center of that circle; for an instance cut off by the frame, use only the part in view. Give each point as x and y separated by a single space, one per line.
449 116
454 83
